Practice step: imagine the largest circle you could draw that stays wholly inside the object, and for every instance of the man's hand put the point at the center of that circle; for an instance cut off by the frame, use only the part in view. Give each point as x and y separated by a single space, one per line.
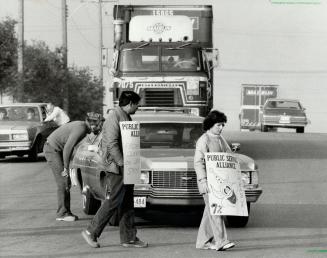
203 186
64 173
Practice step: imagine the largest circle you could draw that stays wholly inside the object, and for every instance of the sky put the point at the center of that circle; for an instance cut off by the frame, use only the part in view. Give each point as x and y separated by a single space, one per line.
42 22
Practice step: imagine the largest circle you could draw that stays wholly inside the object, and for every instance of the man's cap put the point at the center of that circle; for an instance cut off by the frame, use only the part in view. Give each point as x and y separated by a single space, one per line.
92 116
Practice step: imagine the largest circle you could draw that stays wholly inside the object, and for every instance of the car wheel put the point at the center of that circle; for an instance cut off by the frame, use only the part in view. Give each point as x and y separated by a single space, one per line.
89 203
300 130
32 155
238 221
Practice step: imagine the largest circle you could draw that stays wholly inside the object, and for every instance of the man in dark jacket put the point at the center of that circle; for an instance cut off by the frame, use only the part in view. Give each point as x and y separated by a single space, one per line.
121 201
58 150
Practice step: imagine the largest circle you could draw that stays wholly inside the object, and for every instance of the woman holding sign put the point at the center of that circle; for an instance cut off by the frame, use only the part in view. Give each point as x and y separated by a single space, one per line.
212 232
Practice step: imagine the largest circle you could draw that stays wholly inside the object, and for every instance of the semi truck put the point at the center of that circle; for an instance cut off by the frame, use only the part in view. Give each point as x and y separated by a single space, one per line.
253 97
165 54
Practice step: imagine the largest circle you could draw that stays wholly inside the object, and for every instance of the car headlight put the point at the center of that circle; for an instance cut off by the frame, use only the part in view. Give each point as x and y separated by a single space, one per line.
246 179
255 178
20 137
250 178
145 177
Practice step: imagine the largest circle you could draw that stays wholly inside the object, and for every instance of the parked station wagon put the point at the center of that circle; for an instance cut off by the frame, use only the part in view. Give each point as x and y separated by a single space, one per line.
283 113
22 130
167 171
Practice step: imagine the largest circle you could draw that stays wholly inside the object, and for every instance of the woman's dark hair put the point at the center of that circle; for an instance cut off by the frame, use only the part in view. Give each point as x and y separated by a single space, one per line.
128 96
212 118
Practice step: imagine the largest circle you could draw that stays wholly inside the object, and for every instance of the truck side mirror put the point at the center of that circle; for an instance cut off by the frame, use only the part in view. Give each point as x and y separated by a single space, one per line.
215 58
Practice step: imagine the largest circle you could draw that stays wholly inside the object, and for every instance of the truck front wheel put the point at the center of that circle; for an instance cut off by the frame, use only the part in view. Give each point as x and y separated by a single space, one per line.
264 128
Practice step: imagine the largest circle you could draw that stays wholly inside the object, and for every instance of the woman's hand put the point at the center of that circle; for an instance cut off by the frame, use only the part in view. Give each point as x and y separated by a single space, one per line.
203 186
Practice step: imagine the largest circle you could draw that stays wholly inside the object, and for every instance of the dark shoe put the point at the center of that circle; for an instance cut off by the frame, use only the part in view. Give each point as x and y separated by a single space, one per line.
227 246
67 217
135 243
89 239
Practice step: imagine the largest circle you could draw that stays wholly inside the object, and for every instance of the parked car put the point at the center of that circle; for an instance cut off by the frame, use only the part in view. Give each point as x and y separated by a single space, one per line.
22 130
167 171
284 113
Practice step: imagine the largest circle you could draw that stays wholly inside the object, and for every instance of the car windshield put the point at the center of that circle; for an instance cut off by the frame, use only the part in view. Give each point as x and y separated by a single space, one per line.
283 104
19 113
170 135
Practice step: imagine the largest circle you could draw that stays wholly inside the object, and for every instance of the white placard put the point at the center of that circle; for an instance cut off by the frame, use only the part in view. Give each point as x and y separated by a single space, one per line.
226 196
130 133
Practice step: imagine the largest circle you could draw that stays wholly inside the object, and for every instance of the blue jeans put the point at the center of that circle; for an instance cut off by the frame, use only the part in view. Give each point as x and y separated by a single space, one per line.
55 161
120 205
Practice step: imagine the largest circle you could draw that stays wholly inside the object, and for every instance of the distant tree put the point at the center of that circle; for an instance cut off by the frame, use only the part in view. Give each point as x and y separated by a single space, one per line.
8 54
85 93
45 78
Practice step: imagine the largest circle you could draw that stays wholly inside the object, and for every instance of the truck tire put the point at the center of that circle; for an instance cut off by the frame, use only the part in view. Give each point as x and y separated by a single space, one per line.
89 203
264 128
238 221
300 130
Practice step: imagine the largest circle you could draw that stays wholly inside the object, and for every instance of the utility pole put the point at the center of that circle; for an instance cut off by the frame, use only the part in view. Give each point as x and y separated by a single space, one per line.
100 42
64 49
20 50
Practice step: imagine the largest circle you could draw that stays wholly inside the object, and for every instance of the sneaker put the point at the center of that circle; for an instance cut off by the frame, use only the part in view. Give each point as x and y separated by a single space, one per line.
67 217
227 246
89 239
135 243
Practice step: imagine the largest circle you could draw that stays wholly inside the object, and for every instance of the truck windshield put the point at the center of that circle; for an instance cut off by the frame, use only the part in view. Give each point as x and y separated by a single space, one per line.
147 59
139 59
181 59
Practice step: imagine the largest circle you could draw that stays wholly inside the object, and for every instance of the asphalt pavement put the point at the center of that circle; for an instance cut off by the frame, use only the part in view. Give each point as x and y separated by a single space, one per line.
288 220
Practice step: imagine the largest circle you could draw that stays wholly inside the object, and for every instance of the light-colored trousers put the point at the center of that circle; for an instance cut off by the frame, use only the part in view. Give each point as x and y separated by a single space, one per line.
212 231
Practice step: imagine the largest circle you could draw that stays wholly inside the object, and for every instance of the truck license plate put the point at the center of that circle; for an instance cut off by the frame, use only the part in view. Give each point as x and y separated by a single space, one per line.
139 202
284 120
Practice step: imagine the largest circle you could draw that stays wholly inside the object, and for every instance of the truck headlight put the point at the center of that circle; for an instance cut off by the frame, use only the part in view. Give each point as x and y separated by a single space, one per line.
195 111
20 137
145 177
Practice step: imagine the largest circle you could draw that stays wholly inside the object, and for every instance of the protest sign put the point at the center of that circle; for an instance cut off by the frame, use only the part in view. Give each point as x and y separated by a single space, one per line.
130 133
226 196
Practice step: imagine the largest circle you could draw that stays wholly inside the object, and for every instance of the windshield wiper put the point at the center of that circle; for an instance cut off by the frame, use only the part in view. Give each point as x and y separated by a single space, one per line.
138 47
142 45
179 47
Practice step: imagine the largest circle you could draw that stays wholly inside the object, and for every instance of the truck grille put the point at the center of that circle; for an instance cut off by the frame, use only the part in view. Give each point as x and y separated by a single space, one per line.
174 179
4 137
161 97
